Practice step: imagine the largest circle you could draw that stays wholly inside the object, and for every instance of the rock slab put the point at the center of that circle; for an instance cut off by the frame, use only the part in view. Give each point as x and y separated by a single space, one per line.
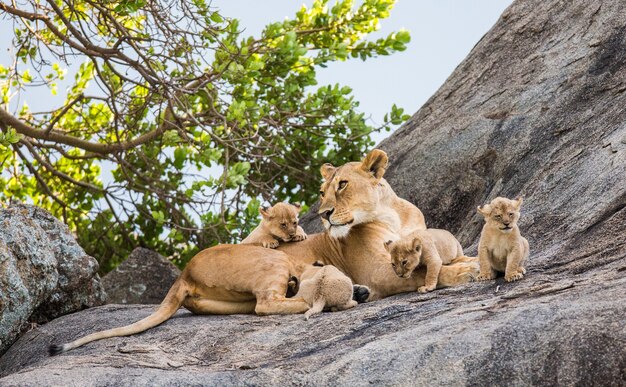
44 273
143 278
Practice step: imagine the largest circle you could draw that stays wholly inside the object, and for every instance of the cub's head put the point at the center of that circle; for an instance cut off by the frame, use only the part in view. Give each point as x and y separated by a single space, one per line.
406 255
281 220
501 213
349 195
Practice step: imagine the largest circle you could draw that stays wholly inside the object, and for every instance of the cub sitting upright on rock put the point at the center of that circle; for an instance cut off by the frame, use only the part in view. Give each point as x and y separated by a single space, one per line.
431 248
279 224
325 286
501 247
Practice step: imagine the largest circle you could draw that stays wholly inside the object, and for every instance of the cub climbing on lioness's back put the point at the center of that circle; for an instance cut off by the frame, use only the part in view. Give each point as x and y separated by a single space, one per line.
278 224
502 248
431 248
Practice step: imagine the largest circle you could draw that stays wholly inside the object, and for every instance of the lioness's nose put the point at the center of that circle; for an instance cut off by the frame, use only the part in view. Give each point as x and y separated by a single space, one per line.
326 214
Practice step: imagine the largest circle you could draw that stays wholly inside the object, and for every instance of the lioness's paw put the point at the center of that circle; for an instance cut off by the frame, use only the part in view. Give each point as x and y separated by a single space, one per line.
514 276
485 277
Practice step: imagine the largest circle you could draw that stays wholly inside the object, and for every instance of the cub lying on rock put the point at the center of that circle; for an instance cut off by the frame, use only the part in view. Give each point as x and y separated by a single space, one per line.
325 286
501 247
431 248
279 223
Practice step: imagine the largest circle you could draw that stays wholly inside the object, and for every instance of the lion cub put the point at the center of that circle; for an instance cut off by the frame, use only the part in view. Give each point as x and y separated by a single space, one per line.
501 247
325 286
431 248
279 224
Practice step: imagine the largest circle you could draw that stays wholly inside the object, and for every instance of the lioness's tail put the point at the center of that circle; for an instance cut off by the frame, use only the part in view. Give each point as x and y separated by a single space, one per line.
318 307
173 300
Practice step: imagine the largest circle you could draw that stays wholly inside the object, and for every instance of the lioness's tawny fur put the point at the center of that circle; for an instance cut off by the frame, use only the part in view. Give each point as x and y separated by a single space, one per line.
502 248
431 248
278 224
325 287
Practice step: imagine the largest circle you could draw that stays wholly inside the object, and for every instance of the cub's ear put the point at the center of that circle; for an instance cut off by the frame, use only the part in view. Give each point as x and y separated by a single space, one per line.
375 163
298 206
417 245
387 245
327 170
265 212
484 210
518 202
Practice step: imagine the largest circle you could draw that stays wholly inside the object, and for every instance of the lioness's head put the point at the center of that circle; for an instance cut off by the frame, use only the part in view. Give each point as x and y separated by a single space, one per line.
348 193
406 255
281 220
501 213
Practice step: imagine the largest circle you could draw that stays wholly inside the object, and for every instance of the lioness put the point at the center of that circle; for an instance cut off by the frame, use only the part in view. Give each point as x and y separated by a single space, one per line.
278 223
325 287
431 248
502 248
360 212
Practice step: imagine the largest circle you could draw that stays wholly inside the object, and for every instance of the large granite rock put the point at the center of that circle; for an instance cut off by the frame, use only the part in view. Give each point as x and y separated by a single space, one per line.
44 273
143 278
536 109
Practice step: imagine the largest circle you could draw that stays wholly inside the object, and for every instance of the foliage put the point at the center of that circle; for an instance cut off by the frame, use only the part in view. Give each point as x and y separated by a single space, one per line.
188 122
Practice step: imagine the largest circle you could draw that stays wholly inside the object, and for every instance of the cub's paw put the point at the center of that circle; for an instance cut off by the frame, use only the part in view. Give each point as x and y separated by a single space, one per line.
270 243
513 276
360 293
299 237
424 289
485 277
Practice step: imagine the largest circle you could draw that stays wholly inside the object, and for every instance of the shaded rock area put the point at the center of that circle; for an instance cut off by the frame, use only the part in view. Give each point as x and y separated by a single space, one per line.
536 109
143 278
44 273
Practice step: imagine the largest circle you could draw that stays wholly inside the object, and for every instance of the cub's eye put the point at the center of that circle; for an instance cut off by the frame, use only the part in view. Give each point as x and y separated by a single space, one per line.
498 217
418 247
510 214
283 225
342 184
393 264
404 263
295 223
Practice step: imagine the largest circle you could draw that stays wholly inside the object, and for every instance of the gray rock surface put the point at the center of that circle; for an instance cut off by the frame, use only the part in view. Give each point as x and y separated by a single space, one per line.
44 273
537 109
143 278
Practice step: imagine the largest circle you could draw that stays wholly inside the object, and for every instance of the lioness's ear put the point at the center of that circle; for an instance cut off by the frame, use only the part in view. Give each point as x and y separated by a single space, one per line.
265 212
375 163
387 245
484 210
327 170
518 202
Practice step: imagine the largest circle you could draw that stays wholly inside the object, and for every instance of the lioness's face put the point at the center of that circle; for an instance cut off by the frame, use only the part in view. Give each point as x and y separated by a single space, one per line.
281 220
348 195
502 213
406 256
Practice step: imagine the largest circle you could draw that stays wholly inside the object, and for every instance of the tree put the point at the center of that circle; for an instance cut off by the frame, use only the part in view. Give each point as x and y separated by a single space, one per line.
195 122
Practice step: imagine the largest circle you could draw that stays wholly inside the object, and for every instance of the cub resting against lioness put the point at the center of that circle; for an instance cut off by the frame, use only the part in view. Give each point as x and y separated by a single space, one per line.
432 248
360 212
502 248
279 223
324 286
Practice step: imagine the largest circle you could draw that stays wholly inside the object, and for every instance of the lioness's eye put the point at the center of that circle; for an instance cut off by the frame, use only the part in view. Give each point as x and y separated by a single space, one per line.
404 263
322 193
342 184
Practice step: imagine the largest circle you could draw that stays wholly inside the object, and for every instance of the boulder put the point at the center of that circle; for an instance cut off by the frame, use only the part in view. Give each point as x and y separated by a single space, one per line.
44 273
143 278
536 109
